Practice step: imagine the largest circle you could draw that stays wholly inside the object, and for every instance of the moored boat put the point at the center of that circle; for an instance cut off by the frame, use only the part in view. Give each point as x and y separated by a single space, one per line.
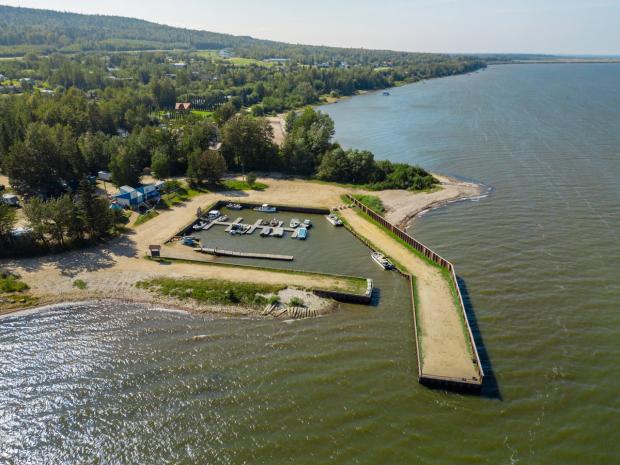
334 220
265 232
200 225
274 222
266 208
294 223
234 206
307 224
382 261
213 215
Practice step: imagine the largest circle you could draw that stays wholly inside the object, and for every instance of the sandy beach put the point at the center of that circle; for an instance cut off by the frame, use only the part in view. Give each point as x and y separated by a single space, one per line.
112 270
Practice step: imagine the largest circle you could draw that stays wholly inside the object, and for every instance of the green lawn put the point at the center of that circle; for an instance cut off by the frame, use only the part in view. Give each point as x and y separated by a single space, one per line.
238 61
182 193
202 113
237 185
145 217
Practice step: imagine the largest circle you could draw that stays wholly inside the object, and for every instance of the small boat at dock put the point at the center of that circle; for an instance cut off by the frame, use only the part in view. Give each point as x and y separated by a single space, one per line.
382 261
266 208
265 232
200 225
334 220
294 223
274 222
302 234
307 224
234 206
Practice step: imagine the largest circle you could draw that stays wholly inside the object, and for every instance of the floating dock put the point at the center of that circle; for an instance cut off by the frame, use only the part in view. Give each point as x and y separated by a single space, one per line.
276 231
231 253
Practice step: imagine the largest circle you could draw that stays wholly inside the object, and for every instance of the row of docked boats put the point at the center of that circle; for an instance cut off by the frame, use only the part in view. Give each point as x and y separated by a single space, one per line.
296 222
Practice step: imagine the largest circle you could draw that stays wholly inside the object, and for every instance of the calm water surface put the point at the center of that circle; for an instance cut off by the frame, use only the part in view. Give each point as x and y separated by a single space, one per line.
540 258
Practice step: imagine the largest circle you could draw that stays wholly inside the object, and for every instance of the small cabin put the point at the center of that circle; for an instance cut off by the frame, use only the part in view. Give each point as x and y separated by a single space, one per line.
155 251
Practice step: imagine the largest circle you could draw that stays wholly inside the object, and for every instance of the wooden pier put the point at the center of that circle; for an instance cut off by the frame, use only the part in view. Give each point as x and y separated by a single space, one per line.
231 253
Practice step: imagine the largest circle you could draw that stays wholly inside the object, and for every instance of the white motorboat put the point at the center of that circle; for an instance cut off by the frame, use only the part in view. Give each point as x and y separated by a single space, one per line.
213 215
266 208
199 226
234 206
334 220
382 261
294 223
307 223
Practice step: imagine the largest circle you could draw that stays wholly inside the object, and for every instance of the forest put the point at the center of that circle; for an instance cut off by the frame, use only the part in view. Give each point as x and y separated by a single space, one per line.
66 116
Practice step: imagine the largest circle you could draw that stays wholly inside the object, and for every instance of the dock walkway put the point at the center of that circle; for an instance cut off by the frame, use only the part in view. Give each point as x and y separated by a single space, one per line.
277 231
231 253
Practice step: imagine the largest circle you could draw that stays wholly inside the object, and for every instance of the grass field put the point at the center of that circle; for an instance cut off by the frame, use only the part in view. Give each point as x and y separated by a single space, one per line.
238 61
237 185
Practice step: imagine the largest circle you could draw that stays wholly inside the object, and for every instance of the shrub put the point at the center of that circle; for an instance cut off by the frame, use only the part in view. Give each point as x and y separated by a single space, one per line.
80 284
11 284
296 302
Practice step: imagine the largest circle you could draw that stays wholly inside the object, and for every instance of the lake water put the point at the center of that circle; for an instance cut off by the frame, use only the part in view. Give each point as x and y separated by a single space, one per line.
539 257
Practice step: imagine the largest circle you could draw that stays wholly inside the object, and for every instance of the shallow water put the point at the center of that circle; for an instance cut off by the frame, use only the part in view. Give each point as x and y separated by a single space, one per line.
539 257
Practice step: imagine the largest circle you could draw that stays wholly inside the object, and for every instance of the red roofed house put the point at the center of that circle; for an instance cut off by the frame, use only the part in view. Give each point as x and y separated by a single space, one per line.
183 106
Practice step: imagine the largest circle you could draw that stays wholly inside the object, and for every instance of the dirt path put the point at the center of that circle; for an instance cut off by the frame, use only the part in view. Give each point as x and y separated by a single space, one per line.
445 350
277 124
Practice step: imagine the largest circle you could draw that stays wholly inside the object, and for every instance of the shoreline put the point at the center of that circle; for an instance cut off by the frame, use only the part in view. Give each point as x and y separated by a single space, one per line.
111 270
403 213
158 302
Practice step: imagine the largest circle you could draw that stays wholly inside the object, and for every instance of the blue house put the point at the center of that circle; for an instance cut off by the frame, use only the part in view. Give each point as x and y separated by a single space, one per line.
135 198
